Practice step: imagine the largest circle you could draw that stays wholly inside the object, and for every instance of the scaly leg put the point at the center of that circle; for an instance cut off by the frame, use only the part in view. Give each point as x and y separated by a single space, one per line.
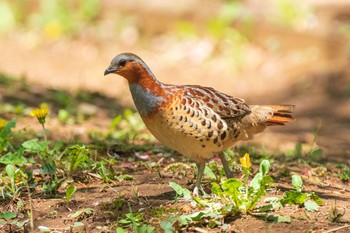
200 170
227 170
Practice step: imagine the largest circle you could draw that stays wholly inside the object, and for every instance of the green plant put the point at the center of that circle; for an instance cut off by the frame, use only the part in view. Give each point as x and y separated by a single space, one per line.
70 190
310 201
242 195
9 219
230 197
345 174
128 127
75 159
135 221
6 134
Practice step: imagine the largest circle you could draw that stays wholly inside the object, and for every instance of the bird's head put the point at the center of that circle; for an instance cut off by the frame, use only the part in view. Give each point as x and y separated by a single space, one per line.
130 66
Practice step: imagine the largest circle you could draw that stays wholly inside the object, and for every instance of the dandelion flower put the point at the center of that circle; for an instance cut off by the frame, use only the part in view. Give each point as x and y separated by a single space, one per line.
40 113
245 161
3 123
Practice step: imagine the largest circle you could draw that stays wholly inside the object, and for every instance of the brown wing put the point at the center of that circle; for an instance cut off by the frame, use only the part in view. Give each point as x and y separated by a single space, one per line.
227 107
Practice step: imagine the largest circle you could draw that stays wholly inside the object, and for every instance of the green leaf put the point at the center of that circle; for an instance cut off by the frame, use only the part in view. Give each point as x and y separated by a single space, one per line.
256 181
78 224
120 230
231 188
293 197
181 191
44 229
216 189
208 172
146 229
7 215
48 169
316 198
10 170
279 218
198 216
275 202
311 206
16 158
297 182
87 211
71 189
167 226
34 146
264 167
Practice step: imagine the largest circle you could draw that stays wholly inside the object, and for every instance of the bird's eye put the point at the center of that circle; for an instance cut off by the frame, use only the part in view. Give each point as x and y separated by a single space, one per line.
122 62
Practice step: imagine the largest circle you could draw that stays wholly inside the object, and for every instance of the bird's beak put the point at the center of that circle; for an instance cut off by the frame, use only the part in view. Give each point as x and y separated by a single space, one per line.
110 70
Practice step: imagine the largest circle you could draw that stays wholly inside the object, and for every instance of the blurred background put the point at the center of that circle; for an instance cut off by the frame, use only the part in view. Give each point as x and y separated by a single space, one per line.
267 52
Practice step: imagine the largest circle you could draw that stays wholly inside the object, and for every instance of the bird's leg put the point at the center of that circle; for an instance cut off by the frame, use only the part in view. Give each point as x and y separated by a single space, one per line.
227 170
200 170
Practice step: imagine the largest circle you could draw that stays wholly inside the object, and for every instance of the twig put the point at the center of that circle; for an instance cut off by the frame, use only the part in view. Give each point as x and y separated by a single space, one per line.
30 209
337 229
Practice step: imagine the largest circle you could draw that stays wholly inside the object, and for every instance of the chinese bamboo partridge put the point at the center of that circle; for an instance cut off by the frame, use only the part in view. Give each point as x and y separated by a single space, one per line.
198 122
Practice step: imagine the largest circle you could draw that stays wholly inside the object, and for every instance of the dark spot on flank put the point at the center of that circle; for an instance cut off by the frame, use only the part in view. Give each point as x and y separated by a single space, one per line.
183 101
176 108
221 108
210 134
185 119
192 113
214 118
201 140
220 125
203 122
223 135
215 140
180 119
203 145
188 111
209 125
205 112
215 101
185 107
189 101
210 105
219 144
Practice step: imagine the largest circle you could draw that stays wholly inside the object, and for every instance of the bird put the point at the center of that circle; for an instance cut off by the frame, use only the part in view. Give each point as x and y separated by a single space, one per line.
196 121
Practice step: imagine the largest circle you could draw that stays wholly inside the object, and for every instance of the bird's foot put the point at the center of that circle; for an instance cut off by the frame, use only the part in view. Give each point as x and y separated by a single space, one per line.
195 192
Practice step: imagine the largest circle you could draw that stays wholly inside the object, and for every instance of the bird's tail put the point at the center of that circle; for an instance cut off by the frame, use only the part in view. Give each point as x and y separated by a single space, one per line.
282 114
265 115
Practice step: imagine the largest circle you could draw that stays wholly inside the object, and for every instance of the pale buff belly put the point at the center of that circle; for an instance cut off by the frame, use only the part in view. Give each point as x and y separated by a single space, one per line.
194 148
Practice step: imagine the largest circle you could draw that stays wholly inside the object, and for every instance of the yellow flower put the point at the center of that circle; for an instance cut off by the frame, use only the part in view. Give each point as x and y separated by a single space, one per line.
3 123
40 113
245 161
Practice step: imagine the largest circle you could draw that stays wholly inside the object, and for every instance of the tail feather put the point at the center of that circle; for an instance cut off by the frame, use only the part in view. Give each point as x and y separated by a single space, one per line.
262 116
282 114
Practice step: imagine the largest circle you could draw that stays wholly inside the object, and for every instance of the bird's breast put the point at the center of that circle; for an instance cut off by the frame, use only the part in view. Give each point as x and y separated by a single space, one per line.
145 101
